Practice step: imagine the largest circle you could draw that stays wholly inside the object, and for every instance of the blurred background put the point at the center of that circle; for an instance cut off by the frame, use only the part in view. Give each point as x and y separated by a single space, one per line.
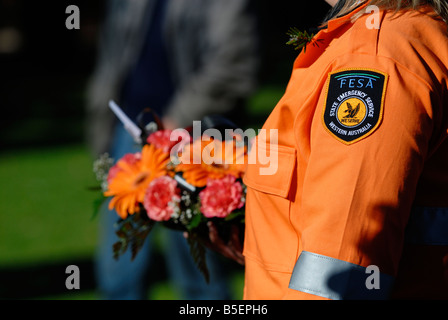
47 216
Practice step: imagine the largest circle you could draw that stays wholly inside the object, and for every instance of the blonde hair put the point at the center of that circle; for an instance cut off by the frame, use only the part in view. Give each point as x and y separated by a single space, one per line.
440 6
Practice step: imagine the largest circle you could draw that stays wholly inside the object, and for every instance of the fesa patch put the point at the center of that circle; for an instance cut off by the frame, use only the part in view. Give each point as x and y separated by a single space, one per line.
354 103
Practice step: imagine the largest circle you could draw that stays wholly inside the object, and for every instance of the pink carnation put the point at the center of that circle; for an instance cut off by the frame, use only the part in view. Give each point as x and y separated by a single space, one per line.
162 139
160 193
221 196
129 158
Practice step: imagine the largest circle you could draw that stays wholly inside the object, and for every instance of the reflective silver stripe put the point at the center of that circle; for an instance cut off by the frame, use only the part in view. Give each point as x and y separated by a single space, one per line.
336 279
428 226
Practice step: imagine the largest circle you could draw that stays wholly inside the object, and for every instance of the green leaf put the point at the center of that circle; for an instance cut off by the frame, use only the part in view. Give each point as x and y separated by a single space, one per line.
119 248
132 232
197 251
121 234
127 226
97 204
195 222
300 39
139 240
234 215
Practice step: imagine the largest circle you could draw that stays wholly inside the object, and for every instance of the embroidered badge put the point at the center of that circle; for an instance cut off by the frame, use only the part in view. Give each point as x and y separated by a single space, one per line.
354 103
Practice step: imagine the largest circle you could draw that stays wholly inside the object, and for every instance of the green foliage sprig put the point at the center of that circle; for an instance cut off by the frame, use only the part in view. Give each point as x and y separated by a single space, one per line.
300 39
132 233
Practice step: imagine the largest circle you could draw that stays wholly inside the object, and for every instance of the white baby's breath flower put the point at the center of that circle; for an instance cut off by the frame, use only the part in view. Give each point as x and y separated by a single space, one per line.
174 205
151 127
101 168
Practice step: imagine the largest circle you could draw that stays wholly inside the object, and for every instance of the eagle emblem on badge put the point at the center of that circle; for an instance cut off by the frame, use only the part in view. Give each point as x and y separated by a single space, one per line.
352 112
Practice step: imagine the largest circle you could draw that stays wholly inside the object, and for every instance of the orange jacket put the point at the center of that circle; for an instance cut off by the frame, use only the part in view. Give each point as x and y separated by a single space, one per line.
360 194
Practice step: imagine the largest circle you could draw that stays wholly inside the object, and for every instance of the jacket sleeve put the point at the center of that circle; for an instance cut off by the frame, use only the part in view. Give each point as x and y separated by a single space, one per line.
357 197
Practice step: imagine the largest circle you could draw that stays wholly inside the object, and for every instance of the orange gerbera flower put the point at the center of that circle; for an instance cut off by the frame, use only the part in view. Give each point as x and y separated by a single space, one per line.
203 160
129 184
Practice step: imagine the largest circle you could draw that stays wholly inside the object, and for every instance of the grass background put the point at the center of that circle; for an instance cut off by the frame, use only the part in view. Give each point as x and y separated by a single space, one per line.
46 205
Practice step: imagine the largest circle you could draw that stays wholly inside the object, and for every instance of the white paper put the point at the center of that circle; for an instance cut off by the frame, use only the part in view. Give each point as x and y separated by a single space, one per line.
130 126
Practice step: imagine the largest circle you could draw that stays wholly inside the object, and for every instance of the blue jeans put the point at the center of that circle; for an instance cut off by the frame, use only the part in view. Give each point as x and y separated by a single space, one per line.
125 279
